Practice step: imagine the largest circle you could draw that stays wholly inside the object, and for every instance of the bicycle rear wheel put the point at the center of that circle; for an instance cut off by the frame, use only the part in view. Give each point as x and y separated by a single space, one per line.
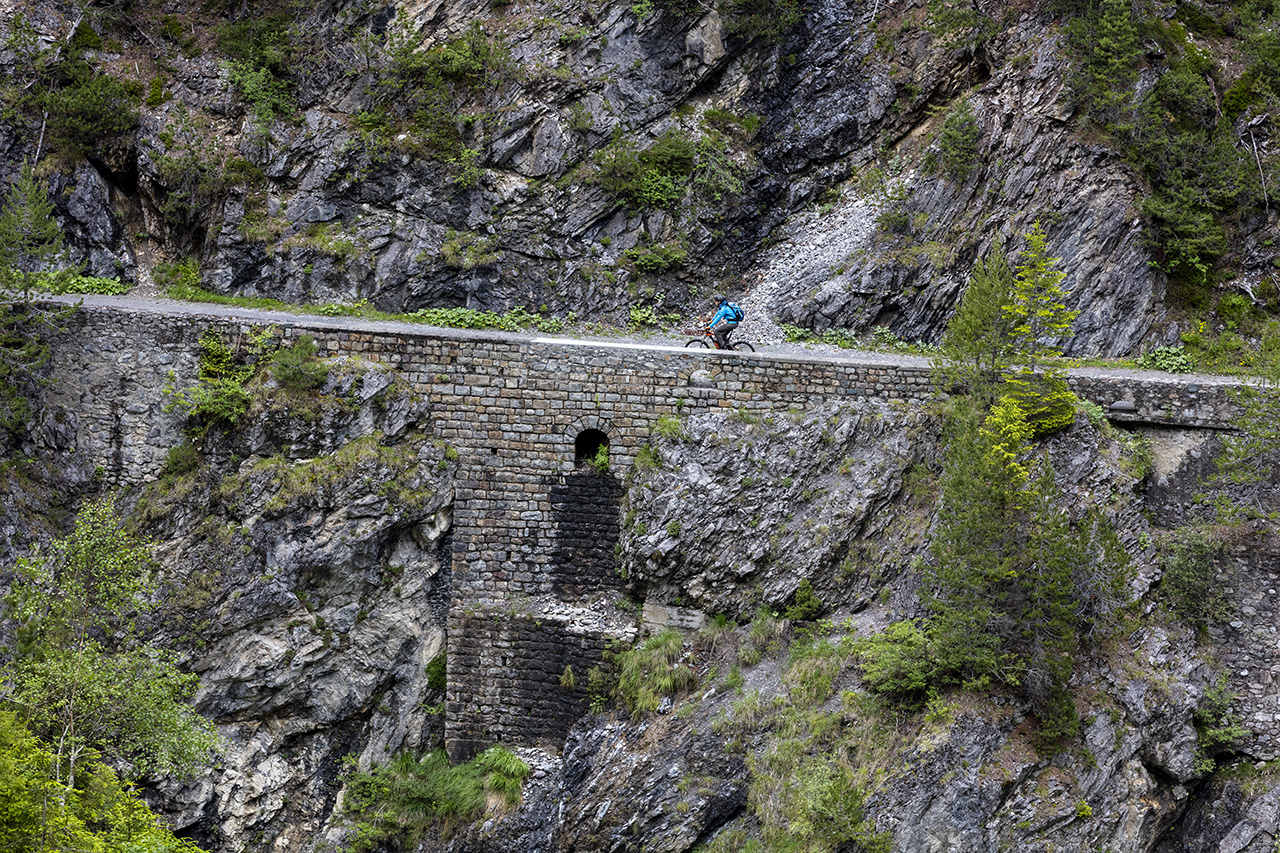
698 342
743 346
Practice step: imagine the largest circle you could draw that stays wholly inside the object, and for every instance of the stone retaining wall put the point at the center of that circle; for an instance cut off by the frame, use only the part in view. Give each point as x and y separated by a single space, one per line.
526 522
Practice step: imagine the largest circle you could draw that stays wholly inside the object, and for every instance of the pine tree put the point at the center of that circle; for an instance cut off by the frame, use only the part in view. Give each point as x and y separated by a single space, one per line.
30 241
1038 313
30 238
978 343
1114 65
959 141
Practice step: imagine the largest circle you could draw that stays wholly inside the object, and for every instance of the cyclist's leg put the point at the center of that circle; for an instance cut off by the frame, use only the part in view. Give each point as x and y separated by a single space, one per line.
721 331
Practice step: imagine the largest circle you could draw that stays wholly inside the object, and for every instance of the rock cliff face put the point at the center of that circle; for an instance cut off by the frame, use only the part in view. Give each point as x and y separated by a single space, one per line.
306 580
594 159
341 187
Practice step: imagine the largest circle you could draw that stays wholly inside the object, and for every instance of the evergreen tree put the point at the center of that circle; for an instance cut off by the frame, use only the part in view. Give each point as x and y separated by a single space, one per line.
30 241
30 238
958 141
978 342
1037 312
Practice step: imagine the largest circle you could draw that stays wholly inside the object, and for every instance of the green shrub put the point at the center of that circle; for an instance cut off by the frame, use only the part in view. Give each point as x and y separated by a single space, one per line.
656 259
89 108
958 141
896 662
220 395
464 250
653 670
1168 359
297 368
1217 727
180 460
806 605
1190 563
655 177
1046 401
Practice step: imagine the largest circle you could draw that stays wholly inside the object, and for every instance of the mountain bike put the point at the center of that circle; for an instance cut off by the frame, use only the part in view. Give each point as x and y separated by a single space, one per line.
706 340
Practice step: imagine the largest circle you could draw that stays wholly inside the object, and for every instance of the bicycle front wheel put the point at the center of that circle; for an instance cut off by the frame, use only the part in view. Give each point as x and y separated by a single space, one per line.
743 346
698 342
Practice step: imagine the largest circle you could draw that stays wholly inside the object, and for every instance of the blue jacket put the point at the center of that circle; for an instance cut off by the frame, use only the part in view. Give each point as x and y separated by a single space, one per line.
726 312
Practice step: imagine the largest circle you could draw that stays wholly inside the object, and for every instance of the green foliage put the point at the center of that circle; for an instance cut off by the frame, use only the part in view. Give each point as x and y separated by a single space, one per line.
669 428
221 396
979 341
1190 563
1105 42
653 670
89 695
806 604
656 259
428 91
716 176
403 801
88 107
643 318
655 177
896 662
464 250
1199 174
436 669
260 52
1168 359
181 460
1047 404
600 461
298 368
101 813
1037 313
958 141
1244 481
1218 728
1014 586
469 318
30 242
764 19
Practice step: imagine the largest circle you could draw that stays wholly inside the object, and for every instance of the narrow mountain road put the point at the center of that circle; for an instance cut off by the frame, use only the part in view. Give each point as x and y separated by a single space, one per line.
817 353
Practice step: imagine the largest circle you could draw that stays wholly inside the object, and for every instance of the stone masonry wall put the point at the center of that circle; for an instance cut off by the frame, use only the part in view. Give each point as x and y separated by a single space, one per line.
525 520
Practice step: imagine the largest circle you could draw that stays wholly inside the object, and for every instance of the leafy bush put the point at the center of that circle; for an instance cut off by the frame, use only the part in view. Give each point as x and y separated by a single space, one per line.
896 662
958 141
181 460
1217 727
1045 400
467 251
71 282
1168 359
436 669
669 428
220 396
655 177
806 604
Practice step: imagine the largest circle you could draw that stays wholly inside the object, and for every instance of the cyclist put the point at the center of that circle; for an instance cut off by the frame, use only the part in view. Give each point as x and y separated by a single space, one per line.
727 317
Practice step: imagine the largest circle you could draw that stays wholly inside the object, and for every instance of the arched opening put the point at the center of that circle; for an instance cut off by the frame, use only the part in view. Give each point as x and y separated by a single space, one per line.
591 447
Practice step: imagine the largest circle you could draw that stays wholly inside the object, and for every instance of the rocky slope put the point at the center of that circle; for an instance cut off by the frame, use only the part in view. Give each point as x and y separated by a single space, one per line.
437 155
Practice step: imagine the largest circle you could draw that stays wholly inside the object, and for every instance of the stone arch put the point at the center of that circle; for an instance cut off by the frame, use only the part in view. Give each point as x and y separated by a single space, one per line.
585 435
